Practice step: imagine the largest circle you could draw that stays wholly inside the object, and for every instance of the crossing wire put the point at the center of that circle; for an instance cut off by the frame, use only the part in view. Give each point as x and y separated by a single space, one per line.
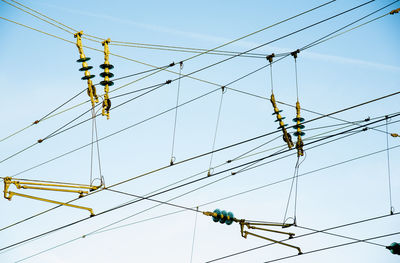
156 194
307 234
253 189
97 231
335 246
163 68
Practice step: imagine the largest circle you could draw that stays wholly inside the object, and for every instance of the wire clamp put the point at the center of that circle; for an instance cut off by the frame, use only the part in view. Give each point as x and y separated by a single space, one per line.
270 57
395 11
294 53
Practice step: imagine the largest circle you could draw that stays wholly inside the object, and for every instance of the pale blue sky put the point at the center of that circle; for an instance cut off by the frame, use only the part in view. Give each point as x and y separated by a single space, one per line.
39 73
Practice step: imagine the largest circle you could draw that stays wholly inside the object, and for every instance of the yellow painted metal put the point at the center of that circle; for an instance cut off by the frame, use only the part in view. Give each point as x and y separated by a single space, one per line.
91 89
48 186
256 226
299 143
395 11
246 233
106 108
286 136
11 194
394 135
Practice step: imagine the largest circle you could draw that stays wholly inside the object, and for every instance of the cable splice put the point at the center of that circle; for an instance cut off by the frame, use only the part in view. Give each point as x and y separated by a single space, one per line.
85 67
106 82
228 218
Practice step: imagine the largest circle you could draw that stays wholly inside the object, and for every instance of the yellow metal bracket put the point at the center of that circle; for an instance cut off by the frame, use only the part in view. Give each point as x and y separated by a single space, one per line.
48 186
85 67
394 135
228 218
286 136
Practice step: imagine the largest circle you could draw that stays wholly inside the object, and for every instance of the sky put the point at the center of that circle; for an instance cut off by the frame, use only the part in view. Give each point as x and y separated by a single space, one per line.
340 181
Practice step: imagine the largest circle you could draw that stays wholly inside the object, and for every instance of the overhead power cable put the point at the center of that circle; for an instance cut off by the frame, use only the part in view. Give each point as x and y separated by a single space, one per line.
245 192
162 68
135 214
24 220
307 234
335 246
156 194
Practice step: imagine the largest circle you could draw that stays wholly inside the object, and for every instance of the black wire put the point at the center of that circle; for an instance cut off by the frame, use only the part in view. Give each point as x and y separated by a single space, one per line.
142 72
201 69
335 246
352 23
162 192
48 114
304 235
153 200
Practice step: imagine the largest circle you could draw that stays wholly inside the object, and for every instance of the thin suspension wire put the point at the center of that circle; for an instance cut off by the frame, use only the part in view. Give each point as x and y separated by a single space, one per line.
98 152
176 114
297 85
194 235
91 148
388 167
128 203
290 193
335 246
272 83
256 188
337 235
315 43
216 131
307 234
153 200
58 206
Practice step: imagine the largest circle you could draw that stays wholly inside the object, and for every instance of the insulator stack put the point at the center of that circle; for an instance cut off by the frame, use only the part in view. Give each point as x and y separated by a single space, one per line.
85 67
394 248
299 120
106 82
221 216
228 218
286 136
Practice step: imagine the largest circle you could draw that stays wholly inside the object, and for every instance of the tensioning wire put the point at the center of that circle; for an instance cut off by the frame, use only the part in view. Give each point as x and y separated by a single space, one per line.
150 196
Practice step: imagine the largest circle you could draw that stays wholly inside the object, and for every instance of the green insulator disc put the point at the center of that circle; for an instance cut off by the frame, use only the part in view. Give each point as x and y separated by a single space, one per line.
282 127
282 118
301 126
230 220
216 218
300 119
279 111
83 59
87 77
297 134
104 82
109 66
106 74
223 217
85 68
